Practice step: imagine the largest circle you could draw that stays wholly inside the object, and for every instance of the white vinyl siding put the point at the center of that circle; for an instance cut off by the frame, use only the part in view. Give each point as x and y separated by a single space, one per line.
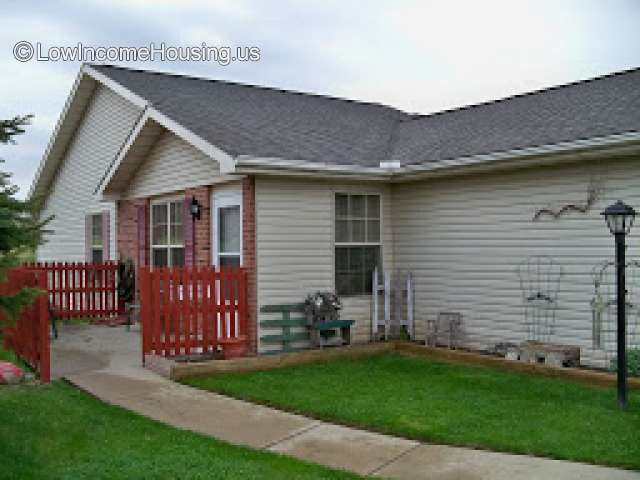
172 165
463 238
295 242
106 124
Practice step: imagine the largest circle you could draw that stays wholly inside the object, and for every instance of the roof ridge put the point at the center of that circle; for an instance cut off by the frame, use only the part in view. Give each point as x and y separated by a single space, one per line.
408 116
249 85
419 116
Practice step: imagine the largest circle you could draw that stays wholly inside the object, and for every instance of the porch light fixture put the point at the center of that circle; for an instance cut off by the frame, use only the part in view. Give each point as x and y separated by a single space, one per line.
619 218
195 208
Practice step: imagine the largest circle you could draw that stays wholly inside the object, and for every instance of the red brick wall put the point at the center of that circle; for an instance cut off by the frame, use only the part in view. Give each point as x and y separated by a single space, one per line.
127 230
249 258
127 240
202 227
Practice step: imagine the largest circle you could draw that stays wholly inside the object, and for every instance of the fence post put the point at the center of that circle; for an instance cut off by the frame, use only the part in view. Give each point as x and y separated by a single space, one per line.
205 309
242 301
158 305
172 300
29 336
387 304
186 310
43 318
215 298
410 307
145 308
374 305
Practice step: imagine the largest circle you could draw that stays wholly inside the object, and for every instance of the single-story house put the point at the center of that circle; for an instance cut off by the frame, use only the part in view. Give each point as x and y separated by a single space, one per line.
309 192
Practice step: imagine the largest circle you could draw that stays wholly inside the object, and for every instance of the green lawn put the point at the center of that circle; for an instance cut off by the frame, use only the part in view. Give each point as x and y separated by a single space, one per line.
56 431
7 355
444 403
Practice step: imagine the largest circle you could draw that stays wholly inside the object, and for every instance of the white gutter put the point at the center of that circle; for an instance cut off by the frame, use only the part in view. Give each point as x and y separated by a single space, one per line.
550 149
247 162
389 168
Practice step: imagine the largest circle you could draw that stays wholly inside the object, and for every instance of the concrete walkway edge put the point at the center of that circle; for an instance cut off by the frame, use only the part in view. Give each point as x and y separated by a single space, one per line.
112 373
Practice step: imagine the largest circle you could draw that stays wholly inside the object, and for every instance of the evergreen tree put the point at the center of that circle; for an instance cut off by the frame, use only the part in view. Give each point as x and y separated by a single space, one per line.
20 230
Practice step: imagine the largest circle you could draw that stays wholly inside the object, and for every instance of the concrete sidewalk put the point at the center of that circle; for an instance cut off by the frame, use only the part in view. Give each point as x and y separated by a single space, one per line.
116 377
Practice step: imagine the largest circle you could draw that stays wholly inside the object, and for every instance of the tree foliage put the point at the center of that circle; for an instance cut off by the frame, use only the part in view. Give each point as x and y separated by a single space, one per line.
12 127
20 230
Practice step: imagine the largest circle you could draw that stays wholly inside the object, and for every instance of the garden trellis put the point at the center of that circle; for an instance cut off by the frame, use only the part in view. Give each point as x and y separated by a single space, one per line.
603 307
397 292
540 282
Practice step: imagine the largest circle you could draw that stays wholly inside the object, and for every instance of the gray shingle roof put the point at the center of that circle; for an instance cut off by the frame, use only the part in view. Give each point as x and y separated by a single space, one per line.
581 110
266 122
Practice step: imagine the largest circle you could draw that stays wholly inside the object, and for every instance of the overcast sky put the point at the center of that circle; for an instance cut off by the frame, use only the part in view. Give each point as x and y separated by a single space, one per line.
420 56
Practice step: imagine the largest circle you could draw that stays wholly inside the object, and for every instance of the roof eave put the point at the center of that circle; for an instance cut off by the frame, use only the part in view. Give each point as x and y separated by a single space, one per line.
547 154
151 115
67 122
551 151
225 160
247 164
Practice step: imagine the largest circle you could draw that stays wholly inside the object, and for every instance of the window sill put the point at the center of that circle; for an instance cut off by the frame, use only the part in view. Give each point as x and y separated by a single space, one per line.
362 296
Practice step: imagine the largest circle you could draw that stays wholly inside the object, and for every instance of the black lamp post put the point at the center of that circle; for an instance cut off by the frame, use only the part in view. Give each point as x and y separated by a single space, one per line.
619 217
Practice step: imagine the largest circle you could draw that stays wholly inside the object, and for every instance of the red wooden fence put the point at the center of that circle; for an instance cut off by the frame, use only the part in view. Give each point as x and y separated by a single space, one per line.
28 334
190 310
81 289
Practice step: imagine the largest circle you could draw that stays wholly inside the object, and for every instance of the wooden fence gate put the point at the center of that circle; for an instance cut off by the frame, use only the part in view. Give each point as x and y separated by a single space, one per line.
81 289
190 310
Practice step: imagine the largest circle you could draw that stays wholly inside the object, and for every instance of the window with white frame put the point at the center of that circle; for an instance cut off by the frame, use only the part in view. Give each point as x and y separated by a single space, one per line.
357 242
229 231
97 241
228 228
167 234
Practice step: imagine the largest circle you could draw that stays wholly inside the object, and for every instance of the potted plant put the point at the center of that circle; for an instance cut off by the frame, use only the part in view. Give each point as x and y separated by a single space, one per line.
234 347
126 283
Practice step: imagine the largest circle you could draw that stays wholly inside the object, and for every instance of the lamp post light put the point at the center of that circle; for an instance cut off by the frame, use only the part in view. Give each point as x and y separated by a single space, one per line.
619 218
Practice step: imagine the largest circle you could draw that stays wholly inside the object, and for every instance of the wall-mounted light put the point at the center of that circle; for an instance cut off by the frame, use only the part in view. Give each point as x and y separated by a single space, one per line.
195 208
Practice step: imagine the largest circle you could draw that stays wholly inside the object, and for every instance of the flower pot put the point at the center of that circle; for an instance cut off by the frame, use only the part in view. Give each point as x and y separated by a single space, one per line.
9 373
234 347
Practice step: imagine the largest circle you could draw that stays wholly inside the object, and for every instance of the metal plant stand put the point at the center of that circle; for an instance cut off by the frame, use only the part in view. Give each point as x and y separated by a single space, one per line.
540 282
604 310
449 326
322 310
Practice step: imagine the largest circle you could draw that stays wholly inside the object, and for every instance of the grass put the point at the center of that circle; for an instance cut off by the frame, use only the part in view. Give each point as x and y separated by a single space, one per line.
7 355
461 405
56 431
